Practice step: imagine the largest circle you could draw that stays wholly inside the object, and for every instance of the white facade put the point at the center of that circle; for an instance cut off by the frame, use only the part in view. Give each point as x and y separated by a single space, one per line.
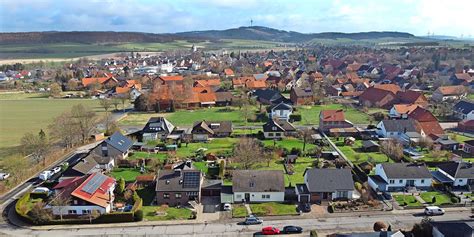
281 114
260 196
397 183
79 210
274 135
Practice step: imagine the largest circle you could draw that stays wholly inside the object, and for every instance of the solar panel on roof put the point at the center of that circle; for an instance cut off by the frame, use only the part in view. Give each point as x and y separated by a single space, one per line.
94 183
191 179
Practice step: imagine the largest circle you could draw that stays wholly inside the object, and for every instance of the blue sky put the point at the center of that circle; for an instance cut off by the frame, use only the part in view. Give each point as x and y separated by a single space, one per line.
419 17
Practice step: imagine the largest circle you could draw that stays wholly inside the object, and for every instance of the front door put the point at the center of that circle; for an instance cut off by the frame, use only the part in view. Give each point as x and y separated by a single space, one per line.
247 197
410 183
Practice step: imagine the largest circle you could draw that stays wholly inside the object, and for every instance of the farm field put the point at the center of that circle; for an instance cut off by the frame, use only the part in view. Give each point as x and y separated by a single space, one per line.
22 113
188 117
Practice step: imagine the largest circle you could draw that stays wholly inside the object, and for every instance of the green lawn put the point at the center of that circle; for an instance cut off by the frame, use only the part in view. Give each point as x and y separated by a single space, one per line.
129 174
352 151
310 114
171 213
273 209
147 194
299 167
214 146
458 137
201 165
289 143
22 113
408 199
188 117
146 155
441 198
239 210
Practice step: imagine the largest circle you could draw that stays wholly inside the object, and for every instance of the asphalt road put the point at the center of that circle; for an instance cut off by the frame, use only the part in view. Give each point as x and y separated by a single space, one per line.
351 222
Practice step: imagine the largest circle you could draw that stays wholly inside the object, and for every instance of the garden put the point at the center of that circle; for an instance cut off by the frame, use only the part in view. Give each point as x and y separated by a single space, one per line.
355 154
164 212
407 200
438 198
273 209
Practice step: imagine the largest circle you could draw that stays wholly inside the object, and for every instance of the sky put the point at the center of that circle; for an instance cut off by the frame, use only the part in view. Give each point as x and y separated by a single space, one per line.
419 17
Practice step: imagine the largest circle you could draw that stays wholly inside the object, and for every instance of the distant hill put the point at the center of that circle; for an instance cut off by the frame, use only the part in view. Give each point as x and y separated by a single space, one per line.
247 33
270 34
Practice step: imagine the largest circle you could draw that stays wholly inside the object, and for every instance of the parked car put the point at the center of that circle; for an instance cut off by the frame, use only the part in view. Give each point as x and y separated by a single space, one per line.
387 196
304 207
252 220
433 210
41 190
4 176
45 175
56 169
270 230
227 207
290 229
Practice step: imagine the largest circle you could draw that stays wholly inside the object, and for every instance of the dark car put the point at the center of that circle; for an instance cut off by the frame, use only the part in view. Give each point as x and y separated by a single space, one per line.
252 220
387 196
304 207
290 229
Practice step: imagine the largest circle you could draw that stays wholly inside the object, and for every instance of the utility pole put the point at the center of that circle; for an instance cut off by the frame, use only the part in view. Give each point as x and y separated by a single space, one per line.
251 22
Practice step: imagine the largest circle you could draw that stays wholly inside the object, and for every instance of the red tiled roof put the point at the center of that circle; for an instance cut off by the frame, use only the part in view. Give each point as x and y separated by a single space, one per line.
206 83
451 90
121 90
410 97
422 115
332 115
228 72
171 78
101 196
374 95
388 87
404 108
255 84
432 127
91 80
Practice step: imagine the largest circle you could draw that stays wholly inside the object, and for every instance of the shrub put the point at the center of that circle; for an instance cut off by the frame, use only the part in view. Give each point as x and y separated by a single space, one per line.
295 117
313 233
138 215
137 205
358 186
331 208
454 199
433 200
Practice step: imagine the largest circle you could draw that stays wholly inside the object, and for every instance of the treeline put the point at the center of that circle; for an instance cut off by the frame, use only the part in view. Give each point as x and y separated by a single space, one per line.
12 67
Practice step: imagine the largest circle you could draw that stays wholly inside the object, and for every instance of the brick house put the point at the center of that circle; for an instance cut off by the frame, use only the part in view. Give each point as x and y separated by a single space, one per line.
177 187
333 119
301 96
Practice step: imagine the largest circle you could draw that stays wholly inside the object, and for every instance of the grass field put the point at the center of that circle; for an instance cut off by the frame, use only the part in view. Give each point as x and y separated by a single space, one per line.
289 143
188 117
441 198
214 146
71 50
408 199
172 213
22 113
298 169
273 209
352 152
129 174
310 114
147 155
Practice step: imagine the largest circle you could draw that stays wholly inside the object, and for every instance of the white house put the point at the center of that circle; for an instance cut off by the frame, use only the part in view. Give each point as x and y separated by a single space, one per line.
92 192
401 110
404 130
455 174
325 185
258 186
399 176
281 111
464 110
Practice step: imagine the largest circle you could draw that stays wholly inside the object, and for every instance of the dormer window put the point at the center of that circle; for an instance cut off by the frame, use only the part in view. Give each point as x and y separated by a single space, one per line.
251 184
167 182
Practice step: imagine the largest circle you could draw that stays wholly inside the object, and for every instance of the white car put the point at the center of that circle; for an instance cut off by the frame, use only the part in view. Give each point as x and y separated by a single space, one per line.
56 169
4 176
433 210
227 207
45 175
41 190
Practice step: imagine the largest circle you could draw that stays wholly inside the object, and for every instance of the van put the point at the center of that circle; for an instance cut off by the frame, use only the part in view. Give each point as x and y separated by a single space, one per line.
45 175
433 210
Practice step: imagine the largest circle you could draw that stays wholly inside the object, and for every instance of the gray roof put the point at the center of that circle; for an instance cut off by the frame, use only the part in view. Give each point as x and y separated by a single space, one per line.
258 181
303 92
214 126
86 165
173 181
282 106
329 180
369 143
158 125
401 125
455 228
458 169
406 171
120 142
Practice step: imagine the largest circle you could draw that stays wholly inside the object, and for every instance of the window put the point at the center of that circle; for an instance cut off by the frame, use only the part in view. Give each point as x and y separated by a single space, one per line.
392 181
400 181
265 196
178 195
270 134
422 181
277 134
166 195
274 128
238 196
84 212
72 212
105 152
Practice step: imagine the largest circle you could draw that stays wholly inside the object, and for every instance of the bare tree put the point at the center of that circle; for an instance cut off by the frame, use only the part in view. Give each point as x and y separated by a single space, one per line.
305 135
85 119
425 143
115 101
247 112
55 90
39 214
60 202
247 152
64 129
35 145
269 156
123 99
393 149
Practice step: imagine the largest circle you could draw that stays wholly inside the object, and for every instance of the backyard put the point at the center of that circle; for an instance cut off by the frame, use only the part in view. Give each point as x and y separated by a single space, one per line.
298 169
288 143
129 174
354 153
310 114
217 145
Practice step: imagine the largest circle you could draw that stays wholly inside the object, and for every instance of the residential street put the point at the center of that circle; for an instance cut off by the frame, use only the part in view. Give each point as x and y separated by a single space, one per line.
334 223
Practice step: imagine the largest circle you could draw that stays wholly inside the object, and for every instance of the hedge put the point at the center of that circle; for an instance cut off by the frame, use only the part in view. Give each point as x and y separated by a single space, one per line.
295 117
137 205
